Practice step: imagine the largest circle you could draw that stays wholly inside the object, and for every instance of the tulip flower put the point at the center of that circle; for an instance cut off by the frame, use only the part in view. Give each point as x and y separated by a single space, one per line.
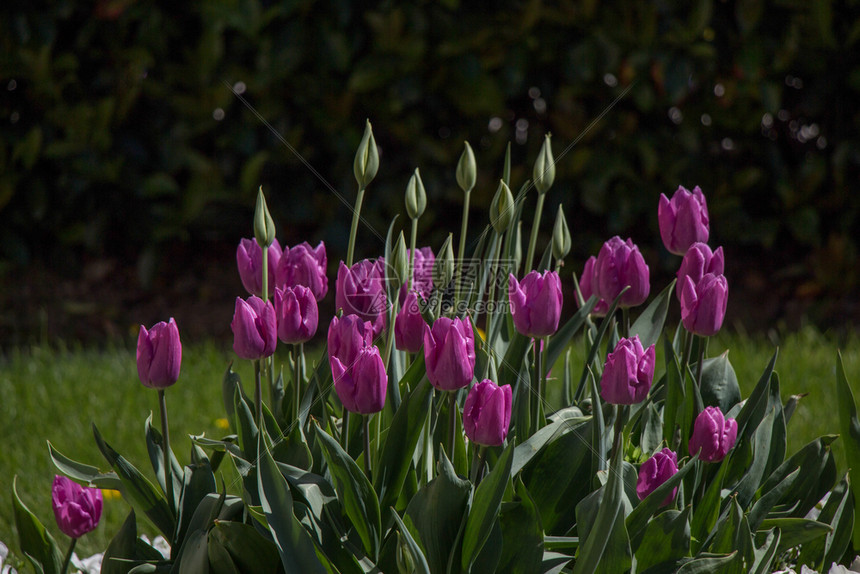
628 373
249 260
654 472
159 355
713 435
487 413
304 265
586 287
347 336
422 271
698 261
703 304
683 220
76 508
361 386
449 353
255 328
296 313
360 291
535 303
409 326
619 264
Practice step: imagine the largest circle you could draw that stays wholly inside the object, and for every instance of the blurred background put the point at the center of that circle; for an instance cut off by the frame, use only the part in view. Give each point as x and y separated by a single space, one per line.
134 135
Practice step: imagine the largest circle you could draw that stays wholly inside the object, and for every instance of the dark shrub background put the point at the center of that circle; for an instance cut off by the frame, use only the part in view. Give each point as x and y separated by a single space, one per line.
129 160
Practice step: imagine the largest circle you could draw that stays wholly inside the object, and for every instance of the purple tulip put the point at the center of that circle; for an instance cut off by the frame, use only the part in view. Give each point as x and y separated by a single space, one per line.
159 355
698 261
360 291
249 260
409 326
535 303
618 265
654 472
76 508
255 328
304 265
449 353
703 304
713 435
297 314
487 413
683 219
347 336
628 373
587 289
422 276
361 386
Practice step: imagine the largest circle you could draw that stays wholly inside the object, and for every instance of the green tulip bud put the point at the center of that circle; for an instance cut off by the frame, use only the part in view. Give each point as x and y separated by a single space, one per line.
400 261
544 172
366 158
264 227
443 268
560 236
502 208
416 198
467 170
405 562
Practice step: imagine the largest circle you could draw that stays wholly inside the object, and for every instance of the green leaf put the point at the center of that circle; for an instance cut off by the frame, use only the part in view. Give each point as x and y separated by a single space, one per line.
607 546
817 475
354 492
37 544
566 421
733 533
137 490
294 544
154 446
674 393
220 561
720 383
229 383
418 560
665 541
765 552
559 341
708 507
754 407
559 476
708 564
485 508
121 548
249 551
595 346
401 441
649 325
84 472
767 499
795 531
838 512
437 511
849 427
198 482
523 549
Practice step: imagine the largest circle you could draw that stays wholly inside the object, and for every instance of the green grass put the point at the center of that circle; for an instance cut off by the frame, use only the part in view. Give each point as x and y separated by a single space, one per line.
56 394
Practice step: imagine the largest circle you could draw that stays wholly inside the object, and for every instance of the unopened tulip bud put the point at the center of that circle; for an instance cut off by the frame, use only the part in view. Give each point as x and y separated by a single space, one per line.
713 435
487 413
449 353
77 509
255 328
620 264
264 227
654 472
297 314
535 303
409 327
683 220
697 262
703 304
560 236
544 170
159 355
443 268
502 208
467 170
366 158
628 373
399 262
361 386
416 197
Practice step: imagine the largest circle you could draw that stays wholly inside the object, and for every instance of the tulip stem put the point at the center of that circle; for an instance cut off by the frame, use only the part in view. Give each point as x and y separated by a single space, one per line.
688 349
258 391
428 448
491 310
366 421
353 230
452 421
537 386
625 322
701 360
461 250
345 430
533 239
478 463
299 350
68 559
413 237
168 475
619 429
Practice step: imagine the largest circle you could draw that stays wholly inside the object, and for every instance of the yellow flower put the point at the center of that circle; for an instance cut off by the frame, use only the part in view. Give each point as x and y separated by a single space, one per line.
110 494
222 424
481 333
